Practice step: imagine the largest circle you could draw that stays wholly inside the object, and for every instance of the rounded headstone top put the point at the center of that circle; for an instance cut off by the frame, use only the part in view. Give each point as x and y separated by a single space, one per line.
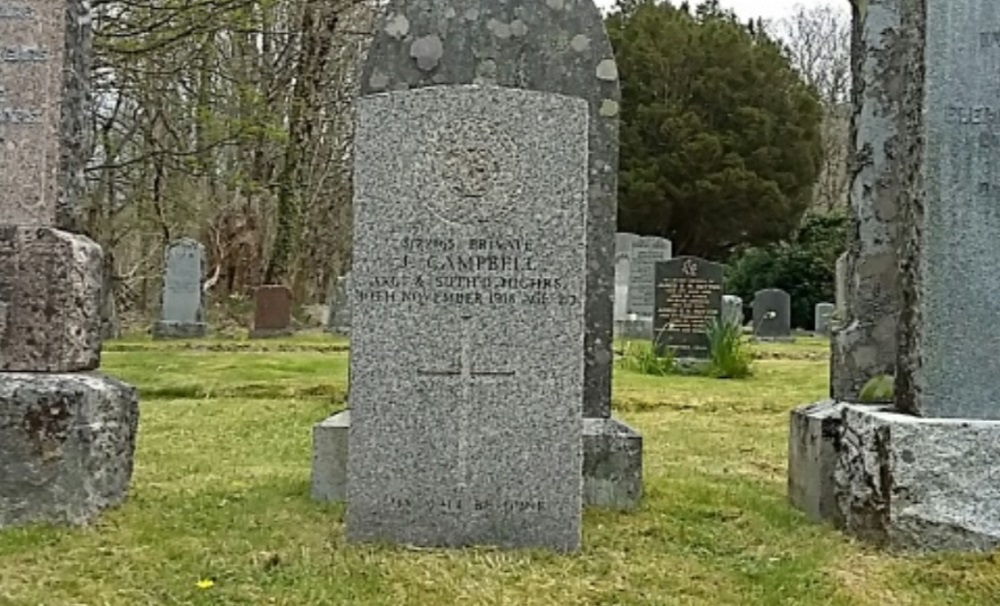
557 46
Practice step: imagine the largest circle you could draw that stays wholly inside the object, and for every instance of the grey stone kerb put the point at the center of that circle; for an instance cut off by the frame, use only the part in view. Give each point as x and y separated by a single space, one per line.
553 46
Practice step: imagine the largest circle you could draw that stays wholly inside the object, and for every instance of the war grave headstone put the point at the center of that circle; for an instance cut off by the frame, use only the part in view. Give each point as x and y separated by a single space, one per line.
509 44
182 315
272 316
339 314
469 261
772 315
688 297
67 432
924 463
822 317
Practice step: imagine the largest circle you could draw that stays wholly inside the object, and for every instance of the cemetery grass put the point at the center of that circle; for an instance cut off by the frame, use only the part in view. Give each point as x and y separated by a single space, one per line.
219 511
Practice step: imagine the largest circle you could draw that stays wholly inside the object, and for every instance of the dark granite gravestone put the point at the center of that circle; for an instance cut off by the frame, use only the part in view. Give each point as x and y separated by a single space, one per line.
688 293
772 315
467 350
555 46
67 433
272 315
182 315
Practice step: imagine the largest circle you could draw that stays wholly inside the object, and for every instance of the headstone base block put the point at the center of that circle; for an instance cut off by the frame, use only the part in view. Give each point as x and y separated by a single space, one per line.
813 439
900 482
329 463
179 330
612 462
66 446
612 465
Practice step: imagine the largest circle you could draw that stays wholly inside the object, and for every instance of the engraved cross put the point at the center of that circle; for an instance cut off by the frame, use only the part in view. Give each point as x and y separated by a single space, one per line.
467 374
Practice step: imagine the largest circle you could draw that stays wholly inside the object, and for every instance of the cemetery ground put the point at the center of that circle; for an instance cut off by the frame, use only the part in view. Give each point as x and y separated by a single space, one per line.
219 510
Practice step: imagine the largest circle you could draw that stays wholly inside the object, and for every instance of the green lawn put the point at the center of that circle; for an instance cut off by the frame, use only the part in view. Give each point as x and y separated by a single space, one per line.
221 487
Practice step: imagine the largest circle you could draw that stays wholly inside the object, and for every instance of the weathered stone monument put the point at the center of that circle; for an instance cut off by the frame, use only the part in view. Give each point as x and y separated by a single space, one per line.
67 433
182 315
272 316
916 473
772 315
338 320
644 252
732 310
822 316
504 50
623 251
688 298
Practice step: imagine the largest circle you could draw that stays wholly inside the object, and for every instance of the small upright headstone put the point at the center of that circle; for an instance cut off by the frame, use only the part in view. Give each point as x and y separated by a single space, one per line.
688 298
339 315
823 316
772 315
645 253
623 252
272 312
467 363
182 315
732 310
67 432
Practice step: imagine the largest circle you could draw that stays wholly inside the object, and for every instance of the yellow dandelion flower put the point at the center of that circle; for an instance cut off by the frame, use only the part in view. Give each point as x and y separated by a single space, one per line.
205 584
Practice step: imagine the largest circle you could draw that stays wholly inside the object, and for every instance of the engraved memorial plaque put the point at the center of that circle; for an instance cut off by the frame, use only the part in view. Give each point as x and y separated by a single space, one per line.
688 297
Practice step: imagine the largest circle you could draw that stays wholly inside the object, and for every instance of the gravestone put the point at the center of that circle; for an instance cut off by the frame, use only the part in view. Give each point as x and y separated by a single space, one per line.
732 310
916 473
272 316
67 432
772 315
470 265
688 298
339 315
182 315
623 251
554 48
644 253
822 318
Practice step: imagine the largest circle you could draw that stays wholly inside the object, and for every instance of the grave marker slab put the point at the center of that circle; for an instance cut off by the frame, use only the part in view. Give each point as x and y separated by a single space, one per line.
644 253
339 315
467 349
688 297
272 312
822 318
182 314
772 314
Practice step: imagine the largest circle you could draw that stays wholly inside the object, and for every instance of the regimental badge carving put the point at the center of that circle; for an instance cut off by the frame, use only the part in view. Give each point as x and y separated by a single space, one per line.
689 268
476 172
